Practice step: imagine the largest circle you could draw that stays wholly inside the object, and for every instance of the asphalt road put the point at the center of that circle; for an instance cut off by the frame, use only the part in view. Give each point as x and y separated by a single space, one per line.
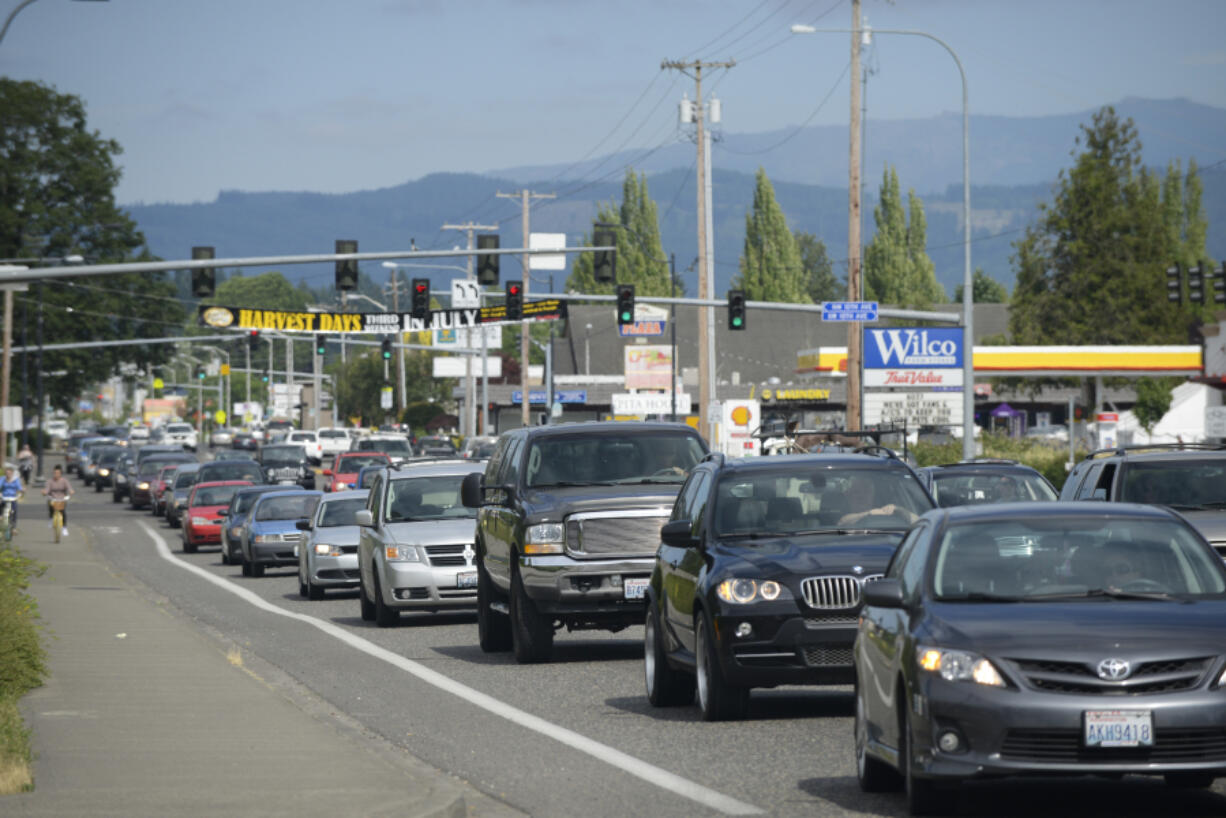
572 737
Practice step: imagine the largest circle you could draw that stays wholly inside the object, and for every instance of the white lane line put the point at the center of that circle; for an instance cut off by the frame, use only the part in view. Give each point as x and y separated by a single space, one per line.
601 752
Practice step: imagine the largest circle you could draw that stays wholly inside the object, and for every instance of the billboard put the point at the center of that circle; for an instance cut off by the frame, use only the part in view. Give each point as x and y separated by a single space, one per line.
913 348
648 366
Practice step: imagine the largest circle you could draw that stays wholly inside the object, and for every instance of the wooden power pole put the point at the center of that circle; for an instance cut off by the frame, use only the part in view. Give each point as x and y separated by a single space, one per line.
855 351
525 196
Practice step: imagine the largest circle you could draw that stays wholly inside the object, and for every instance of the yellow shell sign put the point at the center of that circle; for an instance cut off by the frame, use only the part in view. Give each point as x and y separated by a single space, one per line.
741 416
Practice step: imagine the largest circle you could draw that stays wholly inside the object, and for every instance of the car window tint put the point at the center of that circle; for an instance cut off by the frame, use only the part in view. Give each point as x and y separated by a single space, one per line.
340 512
1090 482
510 470
612 457
685 499
215 495
1185 482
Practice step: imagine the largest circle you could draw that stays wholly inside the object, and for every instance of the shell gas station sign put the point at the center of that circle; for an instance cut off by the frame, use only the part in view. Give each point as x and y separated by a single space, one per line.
739 419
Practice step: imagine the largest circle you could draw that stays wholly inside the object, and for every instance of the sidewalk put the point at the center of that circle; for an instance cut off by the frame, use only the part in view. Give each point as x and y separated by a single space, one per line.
144 715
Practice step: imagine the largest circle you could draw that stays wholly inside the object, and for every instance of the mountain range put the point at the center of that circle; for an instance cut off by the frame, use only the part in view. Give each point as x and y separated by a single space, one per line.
1015 161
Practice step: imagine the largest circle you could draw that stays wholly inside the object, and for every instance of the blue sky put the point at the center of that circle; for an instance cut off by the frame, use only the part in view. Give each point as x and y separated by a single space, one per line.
331 96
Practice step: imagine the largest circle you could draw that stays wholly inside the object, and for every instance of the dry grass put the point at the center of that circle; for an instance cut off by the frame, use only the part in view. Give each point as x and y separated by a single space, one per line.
235 657
15 776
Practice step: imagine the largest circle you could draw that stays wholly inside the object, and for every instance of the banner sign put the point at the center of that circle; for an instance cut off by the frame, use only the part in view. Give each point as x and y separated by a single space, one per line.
370 323
927 378
913 348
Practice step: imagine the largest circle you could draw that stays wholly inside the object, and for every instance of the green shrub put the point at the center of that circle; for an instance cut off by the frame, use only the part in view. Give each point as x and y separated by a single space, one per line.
22 660
1044 458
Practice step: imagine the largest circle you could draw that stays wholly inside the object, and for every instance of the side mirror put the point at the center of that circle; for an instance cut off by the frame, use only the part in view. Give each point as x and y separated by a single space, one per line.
303 525
472 493
362 517
679 534
882 593
327 472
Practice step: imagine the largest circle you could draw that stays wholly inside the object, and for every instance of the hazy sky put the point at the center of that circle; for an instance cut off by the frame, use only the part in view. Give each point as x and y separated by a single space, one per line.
342 95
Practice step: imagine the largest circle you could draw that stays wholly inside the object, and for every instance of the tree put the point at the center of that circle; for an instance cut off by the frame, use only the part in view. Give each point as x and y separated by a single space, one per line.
770 264
897 269
1153 401
640 255
821 282
984 289
57 181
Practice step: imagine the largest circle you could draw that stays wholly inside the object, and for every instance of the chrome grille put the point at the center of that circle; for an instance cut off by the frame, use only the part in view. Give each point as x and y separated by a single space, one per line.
1162 676
834 593
630 532
446 555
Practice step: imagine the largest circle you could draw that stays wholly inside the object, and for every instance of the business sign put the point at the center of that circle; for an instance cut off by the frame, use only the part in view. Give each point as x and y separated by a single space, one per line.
547 241
923 378
455 367
368 323
849 310
913 348
648 321
468 337
648 366
650 403
739 419
913 408
559 396
822 361
1215 421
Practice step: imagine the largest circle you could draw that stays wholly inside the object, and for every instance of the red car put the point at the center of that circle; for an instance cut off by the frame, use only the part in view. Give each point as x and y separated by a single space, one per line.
345 468
157 489
206 507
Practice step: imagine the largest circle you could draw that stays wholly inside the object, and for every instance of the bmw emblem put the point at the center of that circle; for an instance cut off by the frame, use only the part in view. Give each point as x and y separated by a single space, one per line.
857 569
1114 670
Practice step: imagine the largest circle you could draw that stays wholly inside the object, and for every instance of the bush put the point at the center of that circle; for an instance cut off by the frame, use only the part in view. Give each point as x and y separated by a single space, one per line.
1047 460
22 665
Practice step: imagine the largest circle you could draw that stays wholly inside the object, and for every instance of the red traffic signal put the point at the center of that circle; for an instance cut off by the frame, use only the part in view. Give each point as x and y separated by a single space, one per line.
514 292
421 299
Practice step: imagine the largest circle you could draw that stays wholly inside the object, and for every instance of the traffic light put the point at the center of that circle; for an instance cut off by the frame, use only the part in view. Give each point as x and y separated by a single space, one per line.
202 277
1196 283
385 348
736 309
346 271
200 372
267 376
515 300
421 299
1217 282
321 345
253 339
1174 283
625 304
604 262
487 266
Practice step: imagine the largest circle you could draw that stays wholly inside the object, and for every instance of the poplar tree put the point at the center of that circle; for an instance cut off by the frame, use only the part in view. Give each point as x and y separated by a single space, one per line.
820 281
770 264
897 269
640 255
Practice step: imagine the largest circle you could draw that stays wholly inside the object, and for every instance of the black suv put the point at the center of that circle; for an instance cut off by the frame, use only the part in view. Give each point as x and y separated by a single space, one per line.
1188 477
972 482
758 580
286 464
568 523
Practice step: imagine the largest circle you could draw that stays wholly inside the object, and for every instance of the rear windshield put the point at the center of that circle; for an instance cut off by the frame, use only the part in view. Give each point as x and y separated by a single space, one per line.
341 433
178 428
340 512
1002 487
400 448
291 507
646 457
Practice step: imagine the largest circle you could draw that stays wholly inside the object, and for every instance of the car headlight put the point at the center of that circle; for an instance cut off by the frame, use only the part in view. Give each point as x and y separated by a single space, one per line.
545 538
1221 680
265 538
326 550
338 486
745 591
959 666
103 472
143 486
200 520
401 553
236 533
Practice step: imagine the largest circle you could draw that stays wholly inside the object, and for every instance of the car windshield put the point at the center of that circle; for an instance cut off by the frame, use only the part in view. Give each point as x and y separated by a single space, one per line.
281 456
230 470
340 512
215 495
1186 483
953 489
395 448
1061 557
291 507
426 498
796 499
354 463
185 479
629 457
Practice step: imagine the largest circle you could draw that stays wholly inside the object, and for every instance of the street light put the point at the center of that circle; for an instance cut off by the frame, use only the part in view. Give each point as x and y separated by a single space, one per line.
968 300
9 20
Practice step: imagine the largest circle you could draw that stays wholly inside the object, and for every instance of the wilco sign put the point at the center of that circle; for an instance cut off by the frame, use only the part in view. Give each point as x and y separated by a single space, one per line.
913 348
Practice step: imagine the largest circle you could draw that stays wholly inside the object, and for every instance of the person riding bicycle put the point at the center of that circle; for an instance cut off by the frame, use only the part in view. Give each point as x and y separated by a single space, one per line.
25 463
58 488
11 489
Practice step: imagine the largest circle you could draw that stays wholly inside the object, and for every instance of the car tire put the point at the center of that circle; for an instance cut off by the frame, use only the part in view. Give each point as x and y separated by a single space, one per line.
1190 779
493 629
189 547
314 592
385 617
257 569
302 587
365 605
97 488
921 793
873 774
531 633
225 550
717 700
246 569
666 686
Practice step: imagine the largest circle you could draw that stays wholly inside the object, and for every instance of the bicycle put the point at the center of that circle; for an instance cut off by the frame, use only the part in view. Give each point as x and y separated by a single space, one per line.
57 517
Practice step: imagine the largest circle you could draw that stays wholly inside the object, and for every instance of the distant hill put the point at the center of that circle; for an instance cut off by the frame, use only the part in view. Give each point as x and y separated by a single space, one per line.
1014 164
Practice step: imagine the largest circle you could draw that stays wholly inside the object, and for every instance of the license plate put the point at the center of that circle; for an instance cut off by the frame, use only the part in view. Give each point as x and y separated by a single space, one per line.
285 482
635 587
466 579
1119 728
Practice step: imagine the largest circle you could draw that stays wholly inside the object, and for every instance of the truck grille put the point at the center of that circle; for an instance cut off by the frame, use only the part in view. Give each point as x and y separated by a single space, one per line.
834 593
625 533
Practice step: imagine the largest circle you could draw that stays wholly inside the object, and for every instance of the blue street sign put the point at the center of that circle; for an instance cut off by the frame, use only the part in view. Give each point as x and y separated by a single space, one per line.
560 396
849 310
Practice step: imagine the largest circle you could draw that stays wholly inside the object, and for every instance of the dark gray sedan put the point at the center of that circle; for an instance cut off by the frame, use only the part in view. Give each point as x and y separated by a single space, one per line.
1042 639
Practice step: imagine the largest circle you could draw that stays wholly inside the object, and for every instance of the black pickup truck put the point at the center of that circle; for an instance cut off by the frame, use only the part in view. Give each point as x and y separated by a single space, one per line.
568 524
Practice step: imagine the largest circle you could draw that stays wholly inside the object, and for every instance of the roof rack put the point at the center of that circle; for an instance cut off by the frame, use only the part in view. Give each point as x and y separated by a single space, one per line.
878 451
978 460
718 457
1155 447
793 434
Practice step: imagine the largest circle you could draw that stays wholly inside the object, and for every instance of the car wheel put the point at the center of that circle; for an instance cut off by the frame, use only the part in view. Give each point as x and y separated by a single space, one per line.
314 592
257 569
666 686
225 550
367 607
921 793
531 633
873 774
97 488
1190 779
385 617
718 700
302 586
189 547
246 569
493 629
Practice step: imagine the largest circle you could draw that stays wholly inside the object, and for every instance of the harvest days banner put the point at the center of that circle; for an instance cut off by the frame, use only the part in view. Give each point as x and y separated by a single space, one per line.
245 318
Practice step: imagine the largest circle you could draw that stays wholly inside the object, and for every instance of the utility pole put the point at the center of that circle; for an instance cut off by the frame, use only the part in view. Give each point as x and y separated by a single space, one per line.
706 322
526 196
468 427
855 351
394 286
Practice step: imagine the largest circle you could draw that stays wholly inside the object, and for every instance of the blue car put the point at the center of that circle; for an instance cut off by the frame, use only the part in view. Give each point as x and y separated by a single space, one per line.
272 529
234 524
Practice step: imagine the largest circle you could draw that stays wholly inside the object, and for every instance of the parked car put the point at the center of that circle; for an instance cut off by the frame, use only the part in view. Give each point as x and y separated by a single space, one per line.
758 580
234 523
415 549
309 441
287 465
204 512
1190 478
176 495
985 481
140 492
272 529
333 440
345 468
435 446
184 434
397 447
328 554
1042 639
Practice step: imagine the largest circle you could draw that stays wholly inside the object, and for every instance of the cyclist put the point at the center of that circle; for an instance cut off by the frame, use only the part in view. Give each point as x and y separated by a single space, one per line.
11 489
58 488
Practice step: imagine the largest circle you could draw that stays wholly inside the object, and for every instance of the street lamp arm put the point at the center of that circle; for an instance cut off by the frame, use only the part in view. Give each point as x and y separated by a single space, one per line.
9 20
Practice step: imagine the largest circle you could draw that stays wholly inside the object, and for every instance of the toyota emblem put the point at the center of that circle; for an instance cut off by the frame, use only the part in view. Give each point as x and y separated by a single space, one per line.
1114 670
